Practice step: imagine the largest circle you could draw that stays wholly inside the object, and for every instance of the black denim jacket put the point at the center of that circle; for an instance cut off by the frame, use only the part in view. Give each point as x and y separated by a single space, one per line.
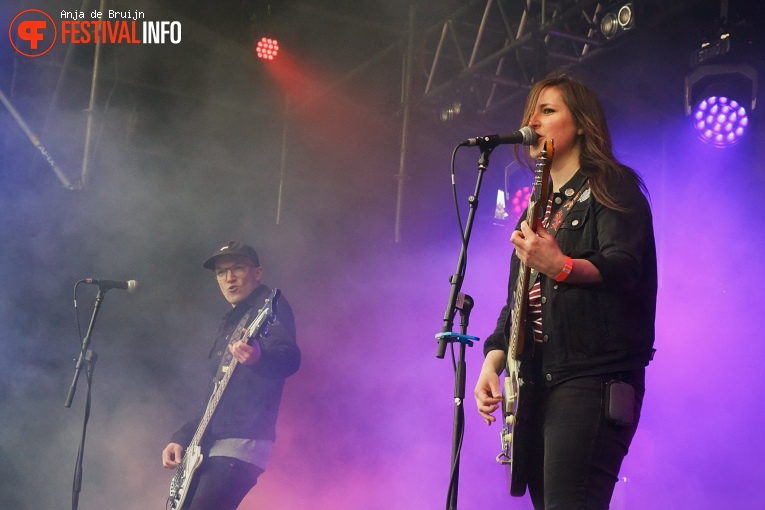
250 403
601 328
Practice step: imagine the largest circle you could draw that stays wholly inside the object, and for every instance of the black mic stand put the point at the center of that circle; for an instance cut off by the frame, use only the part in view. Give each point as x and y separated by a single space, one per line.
465 304
447 336
88 359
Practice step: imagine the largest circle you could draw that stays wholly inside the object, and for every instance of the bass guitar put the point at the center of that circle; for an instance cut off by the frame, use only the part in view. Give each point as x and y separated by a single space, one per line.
515 398
192 458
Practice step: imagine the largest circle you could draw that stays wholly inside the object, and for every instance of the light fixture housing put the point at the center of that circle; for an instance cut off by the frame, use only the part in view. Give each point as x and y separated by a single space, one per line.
720 99
617 20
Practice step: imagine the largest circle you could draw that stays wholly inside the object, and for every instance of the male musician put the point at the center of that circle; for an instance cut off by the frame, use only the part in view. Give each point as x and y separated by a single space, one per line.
238 439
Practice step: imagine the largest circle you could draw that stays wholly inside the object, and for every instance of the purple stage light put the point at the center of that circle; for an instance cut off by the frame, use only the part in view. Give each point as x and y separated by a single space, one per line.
520 200
720 121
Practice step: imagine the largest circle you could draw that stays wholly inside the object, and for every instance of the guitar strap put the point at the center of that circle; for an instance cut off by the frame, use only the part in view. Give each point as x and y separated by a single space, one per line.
561 214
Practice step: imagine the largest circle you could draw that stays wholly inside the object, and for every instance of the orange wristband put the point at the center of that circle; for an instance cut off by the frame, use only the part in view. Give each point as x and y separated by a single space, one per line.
565 271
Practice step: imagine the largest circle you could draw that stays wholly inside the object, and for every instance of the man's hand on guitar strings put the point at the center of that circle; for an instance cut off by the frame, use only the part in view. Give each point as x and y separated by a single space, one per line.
171 455
244 353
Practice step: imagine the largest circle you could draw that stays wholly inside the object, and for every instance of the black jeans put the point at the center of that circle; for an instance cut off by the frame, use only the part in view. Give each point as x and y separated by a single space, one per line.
575 452
221 483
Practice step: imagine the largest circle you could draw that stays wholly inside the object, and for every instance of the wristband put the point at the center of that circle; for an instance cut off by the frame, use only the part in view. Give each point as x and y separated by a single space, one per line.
565 271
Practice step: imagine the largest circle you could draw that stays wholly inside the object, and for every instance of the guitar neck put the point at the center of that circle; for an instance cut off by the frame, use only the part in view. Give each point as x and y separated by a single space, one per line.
521 297
520 306
212 404
254 329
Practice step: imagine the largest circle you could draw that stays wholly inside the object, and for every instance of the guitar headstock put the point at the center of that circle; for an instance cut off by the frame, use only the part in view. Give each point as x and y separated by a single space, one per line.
266 316
541 182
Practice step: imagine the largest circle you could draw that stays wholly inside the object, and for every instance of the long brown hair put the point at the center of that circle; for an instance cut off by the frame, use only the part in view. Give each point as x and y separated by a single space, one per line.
596 158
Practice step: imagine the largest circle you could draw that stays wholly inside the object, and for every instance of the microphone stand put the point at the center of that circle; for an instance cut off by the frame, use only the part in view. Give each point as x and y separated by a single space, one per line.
464 303
88 359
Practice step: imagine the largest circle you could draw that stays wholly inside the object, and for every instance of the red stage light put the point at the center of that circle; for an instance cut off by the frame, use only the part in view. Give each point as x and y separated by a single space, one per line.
267 48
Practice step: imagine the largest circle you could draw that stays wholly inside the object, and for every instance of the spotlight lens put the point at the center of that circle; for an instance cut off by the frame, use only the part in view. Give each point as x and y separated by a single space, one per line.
626 20
520 200
720 121
609 25
267 48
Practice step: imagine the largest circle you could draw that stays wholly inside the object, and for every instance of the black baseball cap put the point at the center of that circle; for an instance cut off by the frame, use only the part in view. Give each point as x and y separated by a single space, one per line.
233 248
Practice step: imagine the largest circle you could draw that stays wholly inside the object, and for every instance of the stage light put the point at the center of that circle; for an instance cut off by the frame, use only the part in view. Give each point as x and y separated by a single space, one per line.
720 121
267 48
513 197
720 100
509 208
451 112
618 20
520 201
500 211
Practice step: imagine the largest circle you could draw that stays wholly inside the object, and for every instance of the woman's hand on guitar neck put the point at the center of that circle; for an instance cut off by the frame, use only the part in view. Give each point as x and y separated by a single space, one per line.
487 394
538 250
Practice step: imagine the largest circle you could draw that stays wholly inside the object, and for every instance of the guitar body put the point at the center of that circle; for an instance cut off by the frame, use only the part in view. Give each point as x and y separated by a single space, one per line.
516 397
179 486
192 457
516 403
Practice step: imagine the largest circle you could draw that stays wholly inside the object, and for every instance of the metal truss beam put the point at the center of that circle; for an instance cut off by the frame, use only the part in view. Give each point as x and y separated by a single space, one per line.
499 50
493 50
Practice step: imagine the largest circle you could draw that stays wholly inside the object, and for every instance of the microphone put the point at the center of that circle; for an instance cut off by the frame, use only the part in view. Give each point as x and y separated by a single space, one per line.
129 285
525 136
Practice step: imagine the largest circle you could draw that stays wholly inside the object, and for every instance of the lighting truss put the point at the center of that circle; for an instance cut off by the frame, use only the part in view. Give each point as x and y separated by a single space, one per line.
500 50
496 49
